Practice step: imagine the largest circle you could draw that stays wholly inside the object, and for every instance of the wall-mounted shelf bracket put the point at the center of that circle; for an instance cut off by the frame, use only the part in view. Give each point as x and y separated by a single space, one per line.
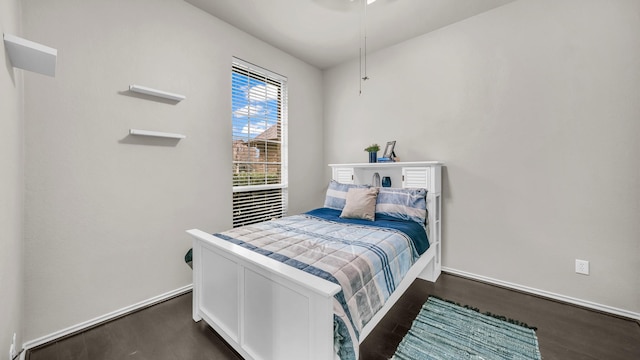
31 56
153 92
139 132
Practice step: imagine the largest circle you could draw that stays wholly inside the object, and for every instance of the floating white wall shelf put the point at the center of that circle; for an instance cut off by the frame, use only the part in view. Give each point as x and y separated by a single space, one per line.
28 55
139 132
163 94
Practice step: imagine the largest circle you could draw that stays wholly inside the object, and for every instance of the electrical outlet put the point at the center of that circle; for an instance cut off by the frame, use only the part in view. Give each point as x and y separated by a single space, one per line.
582 267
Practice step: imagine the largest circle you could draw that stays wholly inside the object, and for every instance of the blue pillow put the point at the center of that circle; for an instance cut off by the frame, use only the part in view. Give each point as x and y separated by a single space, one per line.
337 194
404 204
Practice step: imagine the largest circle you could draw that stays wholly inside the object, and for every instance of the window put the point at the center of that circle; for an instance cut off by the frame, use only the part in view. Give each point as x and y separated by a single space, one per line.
259 141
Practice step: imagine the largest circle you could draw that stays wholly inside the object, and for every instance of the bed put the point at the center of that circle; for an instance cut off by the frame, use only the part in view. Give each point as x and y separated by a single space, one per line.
313 285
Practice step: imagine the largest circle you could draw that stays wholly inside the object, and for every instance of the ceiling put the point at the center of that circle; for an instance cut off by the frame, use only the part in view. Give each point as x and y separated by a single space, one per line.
324 33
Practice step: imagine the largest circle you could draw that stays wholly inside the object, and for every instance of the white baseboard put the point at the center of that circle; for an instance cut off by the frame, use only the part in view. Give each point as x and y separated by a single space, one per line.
546 294
106 317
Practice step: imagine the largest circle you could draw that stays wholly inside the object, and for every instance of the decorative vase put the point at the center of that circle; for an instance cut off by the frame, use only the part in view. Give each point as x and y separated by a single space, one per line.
373 157
375 181
386 181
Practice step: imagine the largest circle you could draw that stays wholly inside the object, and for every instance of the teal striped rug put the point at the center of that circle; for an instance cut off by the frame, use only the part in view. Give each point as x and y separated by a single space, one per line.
447 331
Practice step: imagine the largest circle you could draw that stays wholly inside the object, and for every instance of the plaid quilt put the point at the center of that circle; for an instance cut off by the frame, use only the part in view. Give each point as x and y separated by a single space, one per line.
367 259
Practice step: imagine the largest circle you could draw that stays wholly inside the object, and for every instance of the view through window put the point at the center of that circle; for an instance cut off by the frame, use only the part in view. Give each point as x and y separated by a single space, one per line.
259 100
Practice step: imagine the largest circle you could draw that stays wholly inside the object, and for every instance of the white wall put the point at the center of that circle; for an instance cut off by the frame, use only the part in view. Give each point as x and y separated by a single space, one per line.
106 212
11 185
534 108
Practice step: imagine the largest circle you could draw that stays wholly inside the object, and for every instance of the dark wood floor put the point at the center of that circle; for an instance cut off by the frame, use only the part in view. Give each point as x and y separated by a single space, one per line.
166 331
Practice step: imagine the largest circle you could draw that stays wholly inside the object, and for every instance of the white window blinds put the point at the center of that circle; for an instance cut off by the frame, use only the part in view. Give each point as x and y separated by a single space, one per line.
259 99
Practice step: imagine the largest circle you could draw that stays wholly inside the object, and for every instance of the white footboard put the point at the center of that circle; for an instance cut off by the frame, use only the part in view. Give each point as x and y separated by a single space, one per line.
263 308
269 310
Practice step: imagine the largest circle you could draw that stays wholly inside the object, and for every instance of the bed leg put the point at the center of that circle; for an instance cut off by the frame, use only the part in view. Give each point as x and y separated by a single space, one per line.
431 272
197 279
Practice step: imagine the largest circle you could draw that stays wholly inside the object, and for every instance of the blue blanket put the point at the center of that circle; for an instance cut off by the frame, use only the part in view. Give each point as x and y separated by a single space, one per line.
368 259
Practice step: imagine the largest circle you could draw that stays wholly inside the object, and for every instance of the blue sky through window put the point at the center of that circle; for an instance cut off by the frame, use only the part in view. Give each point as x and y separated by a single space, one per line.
254 106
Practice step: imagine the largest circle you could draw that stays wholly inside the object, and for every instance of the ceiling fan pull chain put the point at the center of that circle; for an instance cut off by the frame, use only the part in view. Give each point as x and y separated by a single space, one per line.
365 78
363 43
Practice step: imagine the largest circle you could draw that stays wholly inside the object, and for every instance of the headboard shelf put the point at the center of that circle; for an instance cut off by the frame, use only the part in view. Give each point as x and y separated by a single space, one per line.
425 174
389 164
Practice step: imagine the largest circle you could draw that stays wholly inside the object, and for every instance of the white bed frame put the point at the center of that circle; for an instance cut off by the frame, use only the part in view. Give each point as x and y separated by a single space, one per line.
268 310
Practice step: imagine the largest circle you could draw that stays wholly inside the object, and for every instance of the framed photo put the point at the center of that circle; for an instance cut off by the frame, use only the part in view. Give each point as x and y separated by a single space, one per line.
388 150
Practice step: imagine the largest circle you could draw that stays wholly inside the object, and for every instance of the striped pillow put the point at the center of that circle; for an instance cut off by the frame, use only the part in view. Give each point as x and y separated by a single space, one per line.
337 194
405 204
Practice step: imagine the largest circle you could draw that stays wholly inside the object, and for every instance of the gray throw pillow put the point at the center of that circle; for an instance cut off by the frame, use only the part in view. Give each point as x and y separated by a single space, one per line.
360 204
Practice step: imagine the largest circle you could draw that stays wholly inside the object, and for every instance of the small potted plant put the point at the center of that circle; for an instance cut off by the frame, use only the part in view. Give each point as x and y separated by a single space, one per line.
373 152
